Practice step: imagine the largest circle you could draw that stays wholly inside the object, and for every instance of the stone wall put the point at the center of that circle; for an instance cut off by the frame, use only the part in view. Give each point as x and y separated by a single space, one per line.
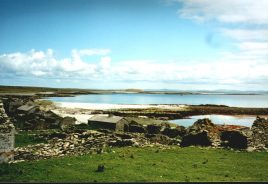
7 137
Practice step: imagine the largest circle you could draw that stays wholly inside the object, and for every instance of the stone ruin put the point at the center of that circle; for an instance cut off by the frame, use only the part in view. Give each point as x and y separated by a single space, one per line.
26 115
7 137
202 133
260 132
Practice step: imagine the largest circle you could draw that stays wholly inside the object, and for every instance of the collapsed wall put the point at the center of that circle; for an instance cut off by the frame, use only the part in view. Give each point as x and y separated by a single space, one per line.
7 137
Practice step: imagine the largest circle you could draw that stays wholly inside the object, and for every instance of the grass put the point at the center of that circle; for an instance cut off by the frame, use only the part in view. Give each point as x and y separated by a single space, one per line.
131 164
24 138
144 165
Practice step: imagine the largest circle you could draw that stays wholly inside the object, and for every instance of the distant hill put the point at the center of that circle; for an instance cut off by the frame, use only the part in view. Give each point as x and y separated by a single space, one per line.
135 90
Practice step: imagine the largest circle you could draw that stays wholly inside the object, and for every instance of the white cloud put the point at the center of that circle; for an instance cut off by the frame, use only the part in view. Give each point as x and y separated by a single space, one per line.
246 34
226 11
77 54
39 63
105 62
220 72
232 68
38 73
249 34
253 46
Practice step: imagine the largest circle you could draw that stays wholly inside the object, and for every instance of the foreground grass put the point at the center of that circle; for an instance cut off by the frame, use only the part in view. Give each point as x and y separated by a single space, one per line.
145 164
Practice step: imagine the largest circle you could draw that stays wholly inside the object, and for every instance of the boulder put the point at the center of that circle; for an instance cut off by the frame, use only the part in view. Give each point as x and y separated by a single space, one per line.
203 133
100 168
234 139
260 132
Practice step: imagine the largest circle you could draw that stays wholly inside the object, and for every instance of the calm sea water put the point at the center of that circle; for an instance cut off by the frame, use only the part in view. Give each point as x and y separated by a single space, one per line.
218 119
230 100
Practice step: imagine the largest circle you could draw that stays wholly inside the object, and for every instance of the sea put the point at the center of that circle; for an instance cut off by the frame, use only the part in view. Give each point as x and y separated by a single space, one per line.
260 100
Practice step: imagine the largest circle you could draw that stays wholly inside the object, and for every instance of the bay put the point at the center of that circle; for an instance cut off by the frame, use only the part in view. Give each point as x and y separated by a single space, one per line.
218 119
229 100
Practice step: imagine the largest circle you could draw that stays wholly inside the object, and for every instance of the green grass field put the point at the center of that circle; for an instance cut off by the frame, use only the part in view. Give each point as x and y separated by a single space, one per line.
144 164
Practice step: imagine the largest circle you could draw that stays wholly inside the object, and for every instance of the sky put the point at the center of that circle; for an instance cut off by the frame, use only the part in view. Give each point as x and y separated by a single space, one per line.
146 44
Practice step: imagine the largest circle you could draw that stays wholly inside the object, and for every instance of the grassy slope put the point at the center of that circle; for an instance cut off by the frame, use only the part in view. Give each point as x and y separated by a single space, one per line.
148 164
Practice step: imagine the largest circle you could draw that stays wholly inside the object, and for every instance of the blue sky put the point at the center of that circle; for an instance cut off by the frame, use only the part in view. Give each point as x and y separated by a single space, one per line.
171 44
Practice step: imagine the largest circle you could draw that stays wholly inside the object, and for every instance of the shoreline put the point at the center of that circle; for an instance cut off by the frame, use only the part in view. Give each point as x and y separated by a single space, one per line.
99 106
83 111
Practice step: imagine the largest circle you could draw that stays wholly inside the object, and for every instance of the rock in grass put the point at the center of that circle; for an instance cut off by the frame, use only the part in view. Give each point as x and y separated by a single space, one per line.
100 168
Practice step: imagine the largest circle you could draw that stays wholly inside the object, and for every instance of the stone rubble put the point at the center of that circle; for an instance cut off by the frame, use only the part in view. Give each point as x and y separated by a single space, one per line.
89 141
260 132
201 133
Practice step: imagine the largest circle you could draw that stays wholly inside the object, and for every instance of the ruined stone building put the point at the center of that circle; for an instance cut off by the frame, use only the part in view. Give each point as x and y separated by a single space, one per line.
27 109
111 122
7 137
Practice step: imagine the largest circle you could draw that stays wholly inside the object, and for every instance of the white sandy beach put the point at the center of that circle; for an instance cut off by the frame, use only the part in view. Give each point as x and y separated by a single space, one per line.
95 106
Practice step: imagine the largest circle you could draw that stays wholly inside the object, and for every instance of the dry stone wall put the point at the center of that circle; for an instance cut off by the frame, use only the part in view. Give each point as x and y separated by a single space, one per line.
7 137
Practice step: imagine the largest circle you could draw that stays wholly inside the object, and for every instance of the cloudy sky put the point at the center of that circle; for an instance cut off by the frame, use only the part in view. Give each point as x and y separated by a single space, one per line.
149 44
